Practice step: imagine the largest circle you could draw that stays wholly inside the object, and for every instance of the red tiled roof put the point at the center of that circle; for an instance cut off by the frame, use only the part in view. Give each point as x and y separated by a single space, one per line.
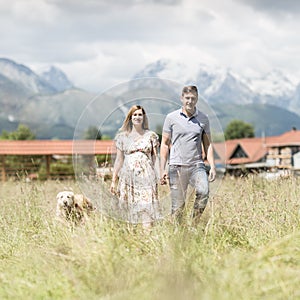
255 148
61 147
289 138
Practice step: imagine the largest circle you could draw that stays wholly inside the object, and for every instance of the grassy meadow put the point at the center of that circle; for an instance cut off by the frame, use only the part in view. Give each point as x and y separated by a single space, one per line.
245 246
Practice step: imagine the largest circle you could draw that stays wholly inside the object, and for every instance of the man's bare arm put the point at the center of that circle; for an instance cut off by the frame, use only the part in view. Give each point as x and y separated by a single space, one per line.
164 154
209 153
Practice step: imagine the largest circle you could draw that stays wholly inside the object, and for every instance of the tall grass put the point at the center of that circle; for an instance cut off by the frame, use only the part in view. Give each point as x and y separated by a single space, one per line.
245 246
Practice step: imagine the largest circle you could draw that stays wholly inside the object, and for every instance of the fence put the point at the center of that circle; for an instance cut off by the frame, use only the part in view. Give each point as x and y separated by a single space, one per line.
44 159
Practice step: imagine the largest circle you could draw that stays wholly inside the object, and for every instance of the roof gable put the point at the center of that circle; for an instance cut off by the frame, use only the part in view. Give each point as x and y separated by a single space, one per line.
238 152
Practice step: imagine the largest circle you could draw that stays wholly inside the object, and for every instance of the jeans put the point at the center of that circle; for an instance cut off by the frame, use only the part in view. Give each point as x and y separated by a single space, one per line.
180 177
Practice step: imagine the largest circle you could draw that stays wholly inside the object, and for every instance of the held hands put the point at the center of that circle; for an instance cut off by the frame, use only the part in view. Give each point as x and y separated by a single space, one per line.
211 176
164 178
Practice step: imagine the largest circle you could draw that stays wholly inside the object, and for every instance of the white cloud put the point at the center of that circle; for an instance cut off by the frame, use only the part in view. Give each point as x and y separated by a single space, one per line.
100 43
274 7
34 12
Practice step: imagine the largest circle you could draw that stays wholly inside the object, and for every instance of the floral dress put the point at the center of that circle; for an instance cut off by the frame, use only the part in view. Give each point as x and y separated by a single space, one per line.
138 187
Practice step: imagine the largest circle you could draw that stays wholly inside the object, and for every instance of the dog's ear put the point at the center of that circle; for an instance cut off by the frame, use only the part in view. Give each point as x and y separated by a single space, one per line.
87 204
78 207
90 205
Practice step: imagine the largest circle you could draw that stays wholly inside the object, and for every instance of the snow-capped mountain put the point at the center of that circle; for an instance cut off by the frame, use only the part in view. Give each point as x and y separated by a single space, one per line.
220 85
214 83
56 78
274 88
20 88
228 88
217 85
43 101
295 100
24 77
274 83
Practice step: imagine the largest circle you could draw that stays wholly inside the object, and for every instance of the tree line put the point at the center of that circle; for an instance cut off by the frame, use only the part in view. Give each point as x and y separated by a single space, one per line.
236 129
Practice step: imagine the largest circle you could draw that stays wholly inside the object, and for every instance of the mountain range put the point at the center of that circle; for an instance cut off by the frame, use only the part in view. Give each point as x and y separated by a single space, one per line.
52 107
219 85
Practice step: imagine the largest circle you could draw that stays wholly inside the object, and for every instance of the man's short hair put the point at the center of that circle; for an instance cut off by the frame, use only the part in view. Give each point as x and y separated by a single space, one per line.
190 89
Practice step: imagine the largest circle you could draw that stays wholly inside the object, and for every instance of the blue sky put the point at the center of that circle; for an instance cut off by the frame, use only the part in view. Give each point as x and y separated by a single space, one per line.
99 43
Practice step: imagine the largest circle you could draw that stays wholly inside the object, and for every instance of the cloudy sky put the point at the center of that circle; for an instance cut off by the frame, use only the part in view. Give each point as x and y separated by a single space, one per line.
101 43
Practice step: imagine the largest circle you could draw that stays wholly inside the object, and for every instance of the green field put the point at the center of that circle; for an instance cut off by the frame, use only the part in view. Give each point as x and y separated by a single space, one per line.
246 246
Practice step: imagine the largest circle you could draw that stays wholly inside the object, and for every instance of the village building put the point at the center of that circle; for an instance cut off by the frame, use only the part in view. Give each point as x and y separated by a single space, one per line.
284 151
259 154
239 156
49 159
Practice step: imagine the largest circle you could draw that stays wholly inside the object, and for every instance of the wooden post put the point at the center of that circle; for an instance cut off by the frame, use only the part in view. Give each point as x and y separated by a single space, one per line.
48 162
3 171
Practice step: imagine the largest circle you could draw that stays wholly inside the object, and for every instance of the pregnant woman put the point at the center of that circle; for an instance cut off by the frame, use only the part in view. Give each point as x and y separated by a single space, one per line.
137 187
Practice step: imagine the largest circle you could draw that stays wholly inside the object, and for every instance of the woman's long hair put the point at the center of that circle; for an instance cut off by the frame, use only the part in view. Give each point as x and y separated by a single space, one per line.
127 124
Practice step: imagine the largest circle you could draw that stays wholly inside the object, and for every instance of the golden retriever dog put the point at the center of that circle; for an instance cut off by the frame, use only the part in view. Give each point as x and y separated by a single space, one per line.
73 207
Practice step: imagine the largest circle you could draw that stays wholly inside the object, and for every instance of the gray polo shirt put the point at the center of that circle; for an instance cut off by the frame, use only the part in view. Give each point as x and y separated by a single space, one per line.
186 136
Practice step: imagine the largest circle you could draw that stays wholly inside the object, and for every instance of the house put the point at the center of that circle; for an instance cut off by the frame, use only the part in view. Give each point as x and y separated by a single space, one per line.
260 153
236 156
242 155
284 150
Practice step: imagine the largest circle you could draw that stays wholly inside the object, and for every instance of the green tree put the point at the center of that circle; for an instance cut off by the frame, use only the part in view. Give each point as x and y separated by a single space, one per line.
92 133
106 137
4 135
22 133
238 129
19 165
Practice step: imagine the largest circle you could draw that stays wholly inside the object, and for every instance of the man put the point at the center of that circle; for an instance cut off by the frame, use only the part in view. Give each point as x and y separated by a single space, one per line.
186 134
